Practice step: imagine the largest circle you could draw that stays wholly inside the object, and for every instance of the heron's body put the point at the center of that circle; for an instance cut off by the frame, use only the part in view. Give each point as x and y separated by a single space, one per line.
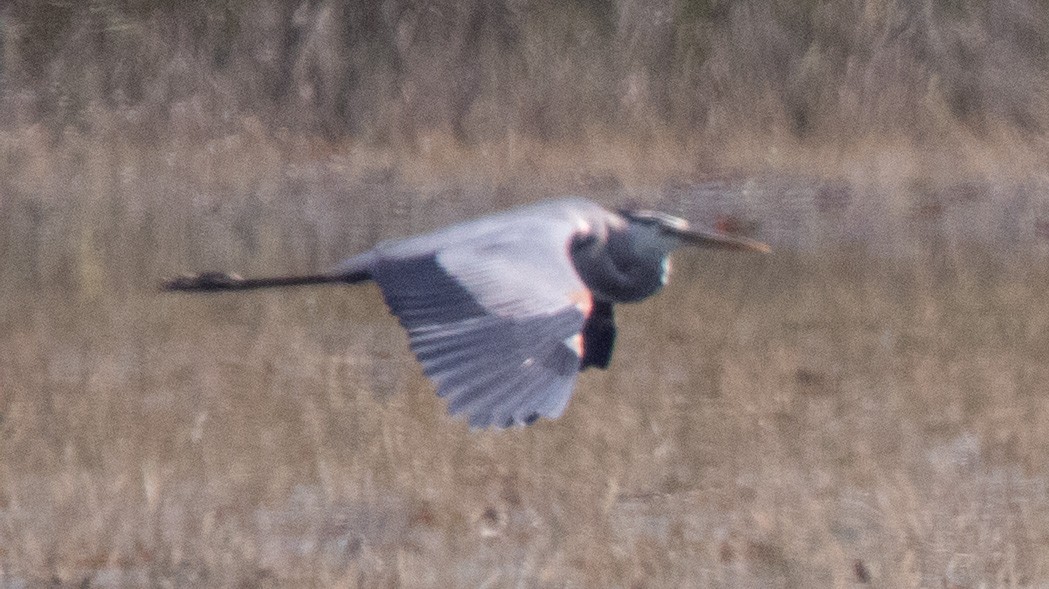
504 311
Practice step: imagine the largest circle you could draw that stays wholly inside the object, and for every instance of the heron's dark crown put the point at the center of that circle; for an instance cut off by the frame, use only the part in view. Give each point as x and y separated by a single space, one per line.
650 217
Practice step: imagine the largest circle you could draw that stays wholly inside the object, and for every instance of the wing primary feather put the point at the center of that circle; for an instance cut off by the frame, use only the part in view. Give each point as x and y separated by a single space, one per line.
479 408
473 352
434 336
469 380
554 404
508 407
492 407
535 360
437 366
468 394
533 398
551 386
455 346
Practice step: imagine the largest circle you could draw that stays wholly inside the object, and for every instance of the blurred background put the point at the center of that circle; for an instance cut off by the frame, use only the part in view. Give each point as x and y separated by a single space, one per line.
867 406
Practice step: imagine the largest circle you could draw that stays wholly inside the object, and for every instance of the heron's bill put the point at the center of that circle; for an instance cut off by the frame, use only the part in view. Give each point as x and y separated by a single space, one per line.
723 241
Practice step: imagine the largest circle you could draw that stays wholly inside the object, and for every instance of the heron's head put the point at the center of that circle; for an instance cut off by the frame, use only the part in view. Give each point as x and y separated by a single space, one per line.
655 231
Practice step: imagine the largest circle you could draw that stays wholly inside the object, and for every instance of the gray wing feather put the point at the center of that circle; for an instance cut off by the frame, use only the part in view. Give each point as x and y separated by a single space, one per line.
518 379
489 317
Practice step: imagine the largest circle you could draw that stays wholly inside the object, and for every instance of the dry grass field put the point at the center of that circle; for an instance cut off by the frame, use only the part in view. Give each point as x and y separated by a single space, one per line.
868 406
865 406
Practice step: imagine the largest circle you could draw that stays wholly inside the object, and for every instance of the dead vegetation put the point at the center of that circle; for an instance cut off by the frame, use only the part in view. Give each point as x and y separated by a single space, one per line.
865 407
399 73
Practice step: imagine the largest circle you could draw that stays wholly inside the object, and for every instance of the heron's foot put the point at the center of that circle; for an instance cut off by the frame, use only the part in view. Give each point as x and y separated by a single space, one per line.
205 281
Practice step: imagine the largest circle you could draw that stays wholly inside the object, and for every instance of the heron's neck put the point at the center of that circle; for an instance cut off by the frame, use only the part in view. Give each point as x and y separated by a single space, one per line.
625 267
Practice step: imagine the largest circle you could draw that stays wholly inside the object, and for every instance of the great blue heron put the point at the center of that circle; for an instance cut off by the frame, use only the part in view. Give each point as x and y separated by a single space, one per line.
504 311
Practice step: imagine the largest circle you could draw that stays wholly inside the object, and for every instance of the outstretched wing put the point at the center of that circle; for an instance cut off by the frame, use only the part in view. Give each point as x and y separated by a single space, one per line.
494 319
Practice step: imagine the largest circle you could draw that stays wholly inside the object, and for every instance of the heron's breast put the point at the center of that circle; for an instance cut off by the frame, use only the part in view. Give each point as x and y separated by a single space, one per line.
626 287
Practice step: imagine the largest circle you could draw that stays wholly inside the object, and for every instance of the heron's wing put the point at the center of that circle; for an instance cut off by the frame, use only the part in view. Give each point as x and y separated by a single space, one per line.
495 320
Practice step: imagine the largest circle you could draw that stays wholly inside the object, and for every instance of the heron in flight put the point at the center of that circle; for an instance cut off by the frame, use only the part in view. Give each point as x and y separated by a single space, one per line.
504 311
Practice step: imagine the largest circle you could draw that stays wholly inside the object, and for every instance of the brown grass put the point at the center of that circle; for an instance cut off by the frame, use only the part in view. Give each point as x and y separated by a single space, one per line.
400 72
785 421
865 407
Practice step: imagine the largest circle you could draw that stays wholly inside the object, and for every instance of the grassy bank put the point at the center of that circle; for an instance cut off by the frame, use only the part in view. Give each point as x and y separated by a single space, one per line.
831 413
865 407
396 73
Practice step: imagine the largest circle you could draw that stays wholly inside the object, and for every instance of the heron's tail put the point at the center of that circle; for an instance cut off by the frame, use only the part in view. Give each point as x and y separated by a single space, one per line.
219 281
